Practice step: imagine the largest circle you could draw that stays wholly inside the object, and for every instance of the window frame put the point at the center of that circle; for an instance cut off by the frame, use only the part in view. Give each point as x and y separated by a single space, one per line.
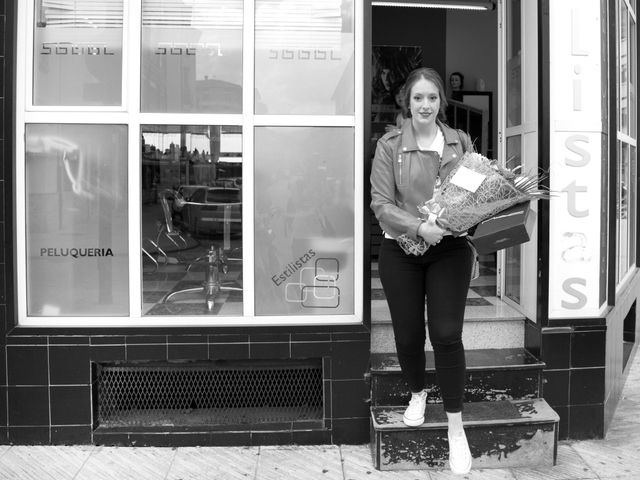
129 114
624 273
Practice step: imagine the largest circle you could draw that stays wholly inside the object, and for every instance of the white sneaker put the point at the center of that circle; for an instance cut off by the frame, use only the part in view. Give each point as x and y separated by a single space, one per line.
414 414
459 454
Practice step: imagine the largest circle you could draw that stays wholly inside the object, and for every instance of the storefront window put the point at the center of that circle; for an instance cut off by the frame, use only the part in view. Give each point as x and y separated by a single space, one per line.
304 57
191 220
626 190
76 220
513 255
192 56
514 64
304 220
77 55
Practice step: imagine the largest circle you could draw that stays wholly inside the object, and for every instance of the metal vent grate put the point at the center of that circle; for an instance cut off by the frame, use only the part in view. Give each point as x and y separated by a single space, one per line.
209 394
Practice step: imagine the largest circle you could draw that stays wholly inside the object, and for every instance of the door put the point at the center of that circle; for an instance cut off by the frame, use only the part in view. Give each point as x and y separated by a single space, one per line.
518 137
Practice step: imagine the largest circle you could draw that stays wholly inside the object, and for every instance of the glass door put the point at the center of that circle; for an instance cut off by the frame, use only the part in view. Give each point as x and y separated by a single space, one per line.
518 138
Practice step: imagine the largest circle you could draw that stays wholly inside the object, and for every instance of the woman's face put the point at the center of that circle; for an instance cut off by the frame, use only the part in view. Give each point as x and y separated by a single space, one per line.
456 82
424 103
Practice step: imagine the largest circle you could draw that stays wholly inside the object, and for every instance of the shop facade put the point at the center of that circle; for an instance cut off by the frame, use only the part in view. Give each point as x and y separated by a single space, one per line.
186 234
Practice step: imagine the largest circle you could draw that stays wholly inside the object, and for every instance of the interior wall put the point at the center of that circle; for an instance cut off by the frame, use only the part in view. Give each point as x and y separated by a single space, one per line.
472 49
413 27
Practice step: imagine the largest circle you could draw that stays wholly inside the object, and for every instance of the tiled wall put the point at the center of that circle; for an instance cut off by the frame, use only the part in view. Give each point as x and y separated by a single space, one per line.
50 382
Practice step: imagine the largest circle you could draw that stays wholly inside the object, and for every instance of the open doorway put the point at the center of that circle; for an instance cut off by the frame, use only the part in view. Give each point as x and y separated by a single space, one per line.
461 45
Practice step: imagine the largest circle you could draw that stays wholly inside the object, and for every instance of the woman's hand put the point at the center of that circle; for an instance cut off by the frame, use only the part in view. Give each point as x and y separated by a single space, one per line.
431 232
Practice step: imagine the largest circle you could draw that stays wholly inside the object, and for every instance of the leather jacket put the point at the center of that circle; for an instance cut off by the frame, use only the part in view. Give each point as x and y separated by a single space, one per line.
403 176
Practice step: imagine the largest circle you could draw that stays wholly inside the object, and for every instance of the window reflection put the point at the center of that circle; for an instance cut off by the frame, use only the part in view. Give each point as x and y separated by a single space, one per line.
78 55
513 255
514 67
77 235
304 221
304 57
192 220
192 56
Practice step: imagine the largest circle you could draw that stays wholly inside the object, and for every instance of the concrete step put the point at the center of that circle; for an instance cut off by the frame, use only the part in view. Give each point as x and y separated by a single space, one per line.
489 322
502 434
492 374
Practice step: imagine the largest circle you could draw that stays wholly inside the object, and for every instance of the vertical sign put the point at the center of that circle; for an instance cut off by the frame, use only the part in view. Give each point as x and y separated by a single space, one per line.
575 242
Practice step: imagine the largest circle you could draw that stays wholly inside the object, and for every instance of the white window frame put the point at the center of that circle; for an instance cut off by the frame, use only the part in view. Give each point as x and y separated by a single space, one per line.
129 114
622 278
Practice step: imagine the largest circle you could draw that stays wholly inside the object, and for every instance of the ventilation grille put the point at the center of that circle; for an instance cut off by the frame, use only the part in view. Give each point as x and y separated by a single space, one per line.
209 394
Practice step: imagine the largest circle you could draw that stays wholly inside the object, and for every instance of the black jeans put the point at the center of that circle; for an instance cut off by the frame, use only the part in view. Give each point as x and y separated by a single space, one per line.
442 274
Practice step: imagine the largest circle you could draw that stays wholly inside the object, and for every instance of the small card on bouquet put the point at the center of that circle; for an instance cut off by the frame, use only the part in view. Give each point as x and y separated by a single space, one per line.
507 228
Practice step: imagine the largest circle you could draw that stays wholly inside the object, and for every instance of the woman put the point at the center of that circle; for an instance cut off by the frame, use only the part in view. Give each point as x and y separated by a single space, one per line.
408 164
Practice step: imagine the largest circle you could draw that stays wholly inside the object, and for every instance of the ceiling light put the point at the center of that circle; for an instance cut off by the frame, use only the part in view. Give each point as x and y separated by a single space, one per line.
455 5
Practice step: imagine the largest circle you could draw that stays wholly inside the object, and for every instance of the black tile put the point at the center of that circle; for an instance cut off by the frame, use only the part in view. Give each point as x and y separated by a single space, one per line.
147 352
107 340
310 349
532 338
228 351
3 289
587 386
555 351
586 422
187 339
188 351
563 428
2 240
269 350
349 398
27 365
3 406
588 349
311 437
29 435
27 340
143 339
107 353
350 359
4 435
310 337
28 406
327 398
76 435
271 438
228 338
69 365
555 387
269 337
69 340
351 431
71 405
363 336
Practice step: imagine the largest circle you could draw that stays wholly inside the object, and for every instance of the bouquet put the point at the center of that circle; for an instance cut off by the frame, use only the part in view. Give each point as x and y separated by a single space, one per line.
476 189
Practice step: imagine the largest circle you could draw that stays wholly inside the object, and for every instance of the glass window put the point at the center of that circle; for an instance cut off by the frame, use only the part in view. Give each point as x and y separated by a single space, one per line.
623 56
191 220
77 53
76 225
622 213
514 67
192 56
513 255
304 220
304 57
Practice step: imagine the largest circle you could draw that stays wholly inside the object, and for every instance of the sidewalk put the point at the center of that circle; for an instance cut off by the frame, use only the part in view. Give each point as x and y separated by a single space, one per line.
616 457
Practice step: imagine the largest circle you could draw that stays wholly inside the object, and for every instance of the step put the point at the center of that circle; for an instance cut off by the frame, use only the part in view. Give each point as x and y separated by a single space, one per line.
483 334
502 434
488 323
492 374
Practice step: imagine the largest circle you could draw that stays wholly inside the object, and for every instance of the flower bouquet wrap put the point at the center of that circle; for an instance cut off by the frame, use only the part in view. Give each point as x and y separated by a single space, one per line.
476 189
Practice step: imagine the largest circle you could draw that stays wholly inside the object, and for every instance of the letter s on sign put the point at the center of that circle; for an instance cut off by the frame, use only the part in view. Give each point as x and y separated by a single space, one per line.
581 298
